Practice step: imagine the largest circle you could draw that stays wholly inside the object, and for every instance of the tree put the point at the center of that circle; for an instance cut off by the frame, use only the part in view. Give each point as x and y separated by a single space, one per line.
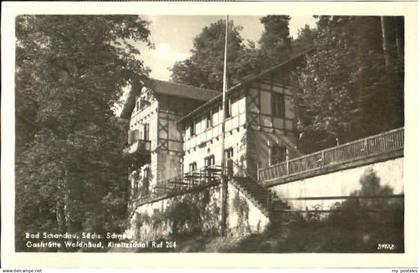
275 41
70 71
205 66
343 91
305 39
392 40
393 49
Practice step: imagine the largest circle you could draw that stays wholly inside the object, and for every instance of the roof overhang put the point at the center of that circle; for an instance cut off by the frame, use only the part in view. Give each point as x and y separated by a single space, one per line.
164 88
246 81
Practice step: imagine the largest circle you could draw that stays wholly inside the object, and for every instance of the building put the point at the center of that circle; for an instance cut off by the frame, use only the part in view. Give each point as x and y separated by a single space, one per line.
154 140
260 124
178 184
175 130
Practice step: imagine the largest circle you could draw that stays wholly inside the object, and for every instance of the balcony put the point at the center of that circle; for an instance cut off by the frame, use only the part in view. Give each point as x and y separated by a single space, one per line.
196 180
139 146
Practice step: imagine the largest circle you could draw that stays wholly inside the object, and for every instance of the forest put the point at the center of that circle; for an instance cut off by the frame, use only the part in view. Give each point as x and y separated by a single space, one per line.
351 86
71 174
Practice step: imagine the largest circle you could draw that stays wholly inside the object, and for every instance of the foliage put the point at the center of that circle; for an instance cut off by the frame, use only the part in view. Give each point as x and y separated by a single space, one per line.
275 41
189 213
195 213
345 91
205 66
157 219
142 219
368 222
70 71
240 206
305 39
140 181
352 227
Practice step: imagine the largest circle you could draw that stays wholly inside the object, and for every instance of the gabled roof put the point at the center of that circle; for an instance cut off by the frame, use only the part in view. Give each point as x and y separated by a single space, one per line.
182 90
247 80
168 89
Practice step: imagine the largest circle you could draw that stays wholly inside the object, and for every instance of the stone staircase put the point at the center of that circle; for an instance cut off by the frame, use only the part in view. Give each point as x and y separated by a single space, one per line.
264 199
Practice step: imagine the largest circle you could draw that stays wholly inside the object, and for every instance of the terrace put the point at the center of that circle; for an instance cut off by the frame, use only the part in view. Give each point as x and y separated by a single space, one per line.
360 152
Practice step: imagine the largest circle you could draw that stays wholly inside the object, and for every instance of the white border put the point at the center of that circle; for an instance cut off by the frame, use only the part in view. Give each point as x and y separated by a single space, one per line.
10 259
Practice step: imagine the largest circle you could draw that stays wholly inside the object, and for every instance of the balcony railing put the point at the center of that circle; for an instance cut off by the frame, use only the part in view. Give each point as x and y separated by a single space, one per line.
207 176
189 180
374 145
139 146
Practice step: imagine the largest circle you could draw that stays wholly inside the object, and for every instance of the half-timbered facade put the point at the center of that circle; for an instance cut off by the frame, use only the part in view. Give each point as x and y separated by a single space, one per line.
154 140
260 124
176 130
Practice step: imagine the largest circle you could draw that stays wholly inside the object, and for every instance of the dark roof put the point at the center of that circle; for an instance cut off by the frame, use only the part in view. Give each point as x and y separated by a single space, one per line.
169 89
248 79
182 90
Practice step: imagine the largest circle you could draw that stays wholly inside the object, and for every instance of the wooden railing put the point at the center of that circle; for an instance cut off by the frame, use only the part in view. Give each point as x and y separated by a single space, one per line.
207 176
374 145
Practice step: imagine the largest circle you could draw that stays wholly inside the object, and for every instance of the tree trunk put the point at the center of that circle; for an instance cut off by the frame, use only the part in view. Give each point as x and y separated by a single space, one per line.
385 43
399 38
392 41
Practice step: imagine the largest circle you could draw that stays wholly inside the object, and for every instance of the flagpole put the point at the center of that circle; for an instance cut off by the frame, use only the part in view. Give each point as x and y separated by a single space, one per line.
224 187
224 96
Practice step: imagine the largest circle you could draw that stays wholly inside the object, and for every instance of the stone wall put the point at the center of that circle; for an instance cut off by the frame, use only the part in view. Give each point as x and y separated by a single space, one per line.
341 183
196 212
188 213
243 217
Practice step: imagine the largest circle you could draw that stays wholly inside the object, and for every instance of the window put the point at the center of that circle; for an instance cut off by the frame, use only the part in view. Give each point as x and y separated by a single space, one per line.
192 130
229 153
228 108
278 105
138 104
144 103
277 154
192 167
209 161
198 126
146 131
209 120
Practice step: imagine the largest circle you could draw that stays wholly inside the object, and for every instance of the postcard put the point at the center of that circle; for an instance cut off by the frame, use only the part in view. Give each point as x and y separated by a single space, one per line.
209 134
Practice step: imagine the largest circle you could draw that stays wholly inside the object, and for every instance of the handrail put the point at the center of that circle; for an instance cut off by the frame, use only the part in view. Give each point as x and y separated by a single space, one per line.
376 144
182 182
190 179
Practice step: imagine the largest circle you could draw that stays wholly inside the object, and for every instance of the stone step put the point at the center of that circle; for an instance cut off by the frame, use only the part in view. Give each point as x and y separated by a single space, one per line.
260 196
253 191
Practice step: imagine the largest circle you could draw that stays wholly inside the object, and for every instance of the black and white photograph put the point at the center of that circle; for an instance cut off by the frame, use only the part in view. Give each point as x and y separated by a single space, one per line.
183 133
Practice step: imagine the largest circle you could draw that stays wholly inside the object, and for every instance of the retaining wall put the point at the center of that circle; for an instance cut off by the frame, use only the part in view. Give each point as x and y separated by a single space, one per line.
198 211
340 183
